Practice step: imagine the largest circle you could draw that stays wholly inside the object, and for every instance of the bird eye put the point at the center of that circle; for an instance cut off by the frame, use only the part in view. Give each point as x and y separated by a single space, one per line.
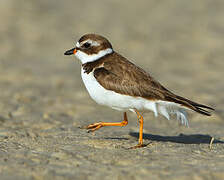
86 45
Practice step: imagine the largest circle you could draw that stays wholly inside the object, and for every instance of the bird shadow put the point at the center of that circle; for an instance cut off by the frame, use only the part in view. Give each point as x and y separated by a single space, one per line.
181 138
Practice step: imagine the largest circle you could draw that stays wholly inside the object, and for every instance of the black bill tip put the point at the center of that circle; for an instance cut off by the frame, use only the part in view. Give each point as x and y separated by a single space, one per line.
70 52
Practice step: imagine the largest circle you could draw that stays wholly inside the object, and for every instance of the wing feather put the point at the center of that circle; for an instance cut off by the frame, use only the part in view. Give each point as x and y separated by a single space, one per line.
121 76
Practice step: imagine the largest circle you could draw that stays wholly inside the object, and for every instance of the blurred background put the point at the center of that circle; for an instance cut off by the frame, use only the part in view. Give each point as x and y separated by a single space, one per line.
42 96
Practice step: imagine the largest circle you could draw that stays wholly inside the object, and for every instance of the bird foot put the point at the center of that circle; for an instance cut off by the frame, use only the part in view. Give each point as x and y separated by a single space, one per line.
93 127
138 146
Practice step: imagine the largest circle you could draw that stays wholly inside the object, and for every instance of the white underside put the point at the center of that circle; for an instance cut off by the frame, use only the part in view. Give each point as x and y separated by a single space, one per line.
124 102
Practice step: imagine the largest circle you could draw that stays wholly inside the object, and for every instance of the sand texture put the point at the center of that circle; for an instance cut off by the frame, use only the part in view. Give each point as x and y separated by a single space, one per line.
43 102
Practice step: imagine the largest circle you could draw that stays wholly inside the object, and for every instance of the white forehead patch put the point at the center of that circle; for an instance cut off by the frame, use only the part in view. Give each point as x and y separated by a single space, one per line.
77 44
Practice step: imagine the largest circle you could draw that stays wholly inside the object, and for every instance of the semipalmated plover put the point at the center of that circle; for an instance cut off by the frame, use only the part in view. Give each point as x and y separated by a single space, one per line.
114 81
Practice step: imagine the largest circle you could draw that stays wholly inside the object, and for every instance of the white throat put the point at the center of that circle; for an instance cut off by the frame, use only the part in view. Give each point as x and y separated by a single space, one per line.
84 58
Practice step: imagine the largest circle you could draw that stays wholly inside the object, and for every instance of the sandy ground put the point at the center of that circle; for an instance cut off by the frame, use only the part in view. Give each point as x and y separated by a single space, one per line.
43 101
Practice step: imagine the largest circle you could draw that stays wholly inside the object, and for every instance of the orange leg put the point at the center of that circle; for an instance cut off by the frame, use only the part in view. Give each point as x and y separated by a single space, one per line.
140 140
98 125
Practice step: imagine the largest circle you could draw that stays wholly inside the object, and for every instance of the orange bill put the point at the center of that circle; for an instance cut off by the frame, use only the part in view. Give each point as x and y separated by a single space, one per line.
71 51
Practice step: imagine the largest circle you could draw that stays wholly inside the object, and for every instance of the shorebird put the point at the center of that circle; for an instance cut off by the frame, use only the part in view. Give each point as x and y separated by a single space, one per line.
112 80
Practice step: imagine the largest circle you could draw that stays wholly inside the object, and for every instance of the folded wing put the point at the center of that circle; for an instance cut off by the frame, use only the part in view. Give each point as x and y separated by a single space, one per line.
121 76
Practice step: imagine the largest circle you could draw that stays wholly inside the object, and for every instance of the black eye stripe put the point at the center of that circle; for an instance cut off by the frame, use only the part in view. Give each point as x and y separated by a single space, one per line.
86 45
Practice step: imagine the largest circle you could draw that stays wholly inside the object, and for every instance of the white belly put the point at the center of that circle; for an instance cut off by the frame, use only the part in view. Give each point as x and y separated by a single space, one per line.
124 102
110 98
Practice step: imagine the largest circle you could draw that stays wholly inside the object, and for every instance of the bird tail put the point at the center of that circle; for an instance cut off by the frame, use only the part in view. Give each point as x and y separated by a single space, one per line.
200 108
